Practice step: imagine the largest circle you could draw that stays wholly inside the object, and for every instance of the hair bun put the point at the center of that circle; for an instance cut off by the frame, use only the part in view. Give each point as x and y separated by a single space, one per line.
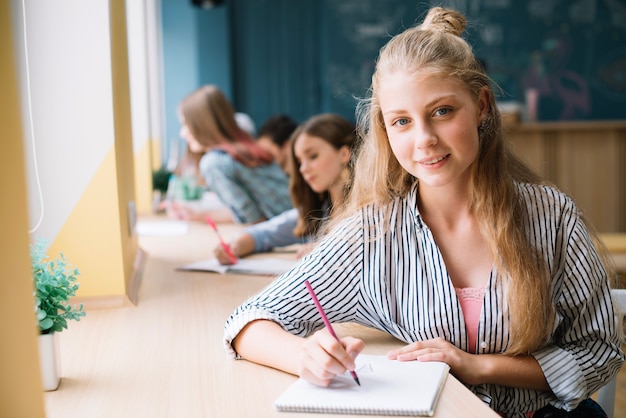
445 20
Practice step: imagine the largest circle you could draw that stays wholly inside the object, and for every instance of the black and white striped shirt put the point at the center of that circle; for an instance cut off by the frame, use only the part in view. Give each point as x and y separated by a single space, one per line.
394 279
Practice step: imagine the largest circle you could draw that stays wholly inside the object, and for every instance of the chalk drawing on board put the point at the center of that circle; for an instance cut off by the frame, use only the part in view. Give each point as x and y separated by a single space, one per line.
611 75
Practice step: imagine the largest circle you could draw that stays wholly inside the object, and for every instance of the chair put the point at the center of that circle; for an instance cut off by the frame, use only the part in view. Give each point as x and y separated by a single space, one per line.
606 394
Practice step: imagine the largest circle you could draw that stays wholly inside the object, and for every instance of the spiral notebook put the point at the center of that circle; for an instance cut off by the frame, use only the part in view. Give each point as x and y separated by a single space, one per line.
388 387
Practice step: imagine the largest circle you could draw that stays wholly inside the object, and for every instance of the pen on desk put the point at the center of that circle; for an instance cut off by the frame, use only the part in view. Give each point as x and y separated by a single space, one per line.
225 246
327 322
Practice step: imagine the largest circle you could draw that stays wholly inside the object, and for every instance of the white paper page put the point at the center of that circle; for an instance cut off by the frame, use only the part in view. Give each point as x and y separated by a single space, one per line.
162 228
388 387
260 266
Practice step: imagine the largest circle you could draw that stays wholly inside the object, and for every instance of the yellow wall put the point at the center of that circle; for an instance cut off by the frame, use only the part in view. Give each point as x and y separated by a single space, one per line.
91 237
147 160
20 385
89 222
96 237
145 81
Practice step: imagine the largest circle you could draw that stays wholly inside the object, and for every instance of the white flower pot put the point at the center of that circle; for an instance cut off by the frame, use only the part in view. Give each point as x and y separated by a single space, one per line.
49 361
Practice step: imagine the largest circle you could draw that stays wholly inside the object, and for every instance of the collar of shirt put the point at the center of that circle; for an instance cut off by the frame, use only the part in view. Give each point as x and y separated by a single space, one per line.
412 206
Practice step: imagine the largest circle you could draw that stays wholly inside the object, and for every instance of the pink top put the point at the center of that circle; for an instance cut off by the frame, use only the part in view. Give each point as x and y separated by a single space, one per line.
471 300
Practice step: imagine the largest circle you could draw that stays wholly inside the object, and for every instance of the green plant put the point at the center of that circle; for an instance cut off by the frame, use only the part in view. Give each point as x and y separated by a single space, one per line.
54 282
160 179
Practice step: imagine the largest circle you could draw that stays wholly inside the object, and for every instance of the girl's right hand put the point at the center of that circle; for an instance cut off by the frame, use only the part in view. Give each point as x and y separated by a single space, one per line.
323 357
222 256
176 210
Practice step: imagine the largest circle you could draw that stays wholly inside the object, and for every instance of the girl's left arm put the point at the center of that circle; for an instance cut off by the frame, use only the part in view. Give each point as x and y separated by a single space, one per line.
474 369
586 345
585 350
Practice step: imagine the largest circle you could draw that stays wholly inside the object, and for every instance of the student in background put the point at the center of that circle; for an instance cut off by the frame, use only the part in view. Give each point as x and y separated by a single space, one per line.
450 243
188 198
187 194
320 150
274 137
241 173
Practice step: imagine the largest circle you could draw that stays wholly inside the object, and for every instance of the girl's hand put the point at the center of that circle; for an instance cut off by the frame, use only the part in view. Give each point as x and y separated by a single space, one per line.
176 210
323 357
242 246
465 366
222 256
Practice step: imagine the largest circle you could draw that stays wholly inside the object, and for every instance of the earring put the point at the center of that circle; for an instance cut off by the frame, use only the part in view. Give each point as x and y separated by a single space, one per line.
483 125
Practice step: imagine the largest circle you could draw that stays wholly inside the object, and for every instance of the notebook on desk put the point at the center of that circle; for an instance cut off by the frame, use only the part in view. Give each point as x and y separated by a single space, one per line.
388 387
258 266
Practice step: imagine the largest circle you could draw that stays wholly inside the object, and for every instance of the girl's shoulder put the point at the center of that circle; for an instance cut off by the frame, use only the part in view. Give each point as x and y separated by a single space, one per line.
547 201
381 216
395 214
221 161
534 193
217 160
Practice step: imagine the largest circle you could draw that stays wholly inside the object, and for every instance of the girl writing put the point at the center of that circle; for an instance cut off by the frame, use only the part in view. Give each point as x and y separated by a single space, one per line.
320 151
449 243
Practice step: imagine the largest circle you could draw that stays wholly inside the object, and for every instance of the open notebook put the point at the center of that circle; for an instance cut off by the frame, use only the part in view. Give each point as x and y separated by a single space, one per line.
388 387
258 266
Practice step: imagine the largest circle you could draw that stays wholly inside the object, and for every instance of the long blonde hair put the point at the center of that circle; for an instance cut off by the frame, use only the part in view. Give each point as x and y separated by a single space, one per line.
436 47
211 120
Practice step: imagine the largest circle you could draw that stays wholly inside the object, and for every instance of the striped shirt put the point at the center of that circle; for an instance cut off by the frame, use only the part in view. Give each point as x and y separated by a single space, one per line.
251 193
394 279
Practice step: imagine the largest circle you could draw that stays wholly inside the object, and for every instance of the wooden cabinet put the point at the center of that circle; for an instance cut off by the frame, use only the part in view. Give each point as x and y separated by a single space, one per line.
587 160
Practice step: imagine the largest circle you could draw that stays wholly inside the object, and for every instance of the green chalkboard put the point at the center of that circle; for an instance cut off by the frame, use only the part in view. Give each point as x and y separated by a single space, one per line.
573 52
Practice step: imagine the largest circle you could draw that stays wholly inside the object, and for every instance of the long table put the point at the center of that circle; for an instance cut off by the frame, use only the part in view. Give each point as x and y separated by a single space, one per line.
164 357
616 246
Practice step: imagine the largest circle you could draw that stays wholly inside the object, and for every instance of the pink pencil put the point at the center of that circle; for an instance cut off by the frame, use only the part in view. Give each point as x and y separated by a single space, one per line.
225 246
327 322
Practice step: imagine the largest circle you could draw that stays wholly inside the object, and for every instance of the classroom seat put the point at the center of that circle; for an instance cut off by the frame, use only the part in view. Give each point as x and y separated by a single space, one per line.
606 394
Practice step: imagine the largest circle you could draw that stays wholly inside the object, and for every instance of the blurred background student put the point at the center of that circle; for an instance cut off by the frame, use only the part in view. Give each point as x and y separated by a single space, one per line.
274 137
320 153
188 195
242 174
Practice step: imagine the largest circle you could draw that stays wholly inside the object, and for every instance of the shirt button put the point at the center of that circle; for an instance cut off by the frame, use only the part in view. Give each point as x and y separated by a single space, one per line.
483 344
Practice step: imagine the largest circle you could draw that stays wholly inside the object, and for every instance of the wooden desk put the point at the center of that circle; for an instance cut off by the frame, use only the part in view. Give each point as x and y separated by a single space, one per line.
165 358
616 245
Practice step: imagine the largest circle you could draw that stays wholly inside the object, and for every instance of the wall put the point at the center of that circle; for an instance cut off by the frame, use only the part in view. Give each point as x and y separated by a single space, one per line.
277 58
145 61
585 160
314 56
20 384
76 107
196 51
572 53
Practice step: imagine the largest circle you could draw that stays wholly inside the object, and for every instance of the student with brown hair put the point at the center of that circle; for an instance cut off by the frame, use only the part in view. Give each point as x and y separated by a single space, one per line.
320 152
274 136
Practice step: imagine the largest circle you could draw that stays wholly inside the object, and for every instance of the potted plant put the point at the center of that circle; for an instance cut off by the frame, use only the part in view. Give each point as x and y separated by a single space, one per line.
160 181
54 282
